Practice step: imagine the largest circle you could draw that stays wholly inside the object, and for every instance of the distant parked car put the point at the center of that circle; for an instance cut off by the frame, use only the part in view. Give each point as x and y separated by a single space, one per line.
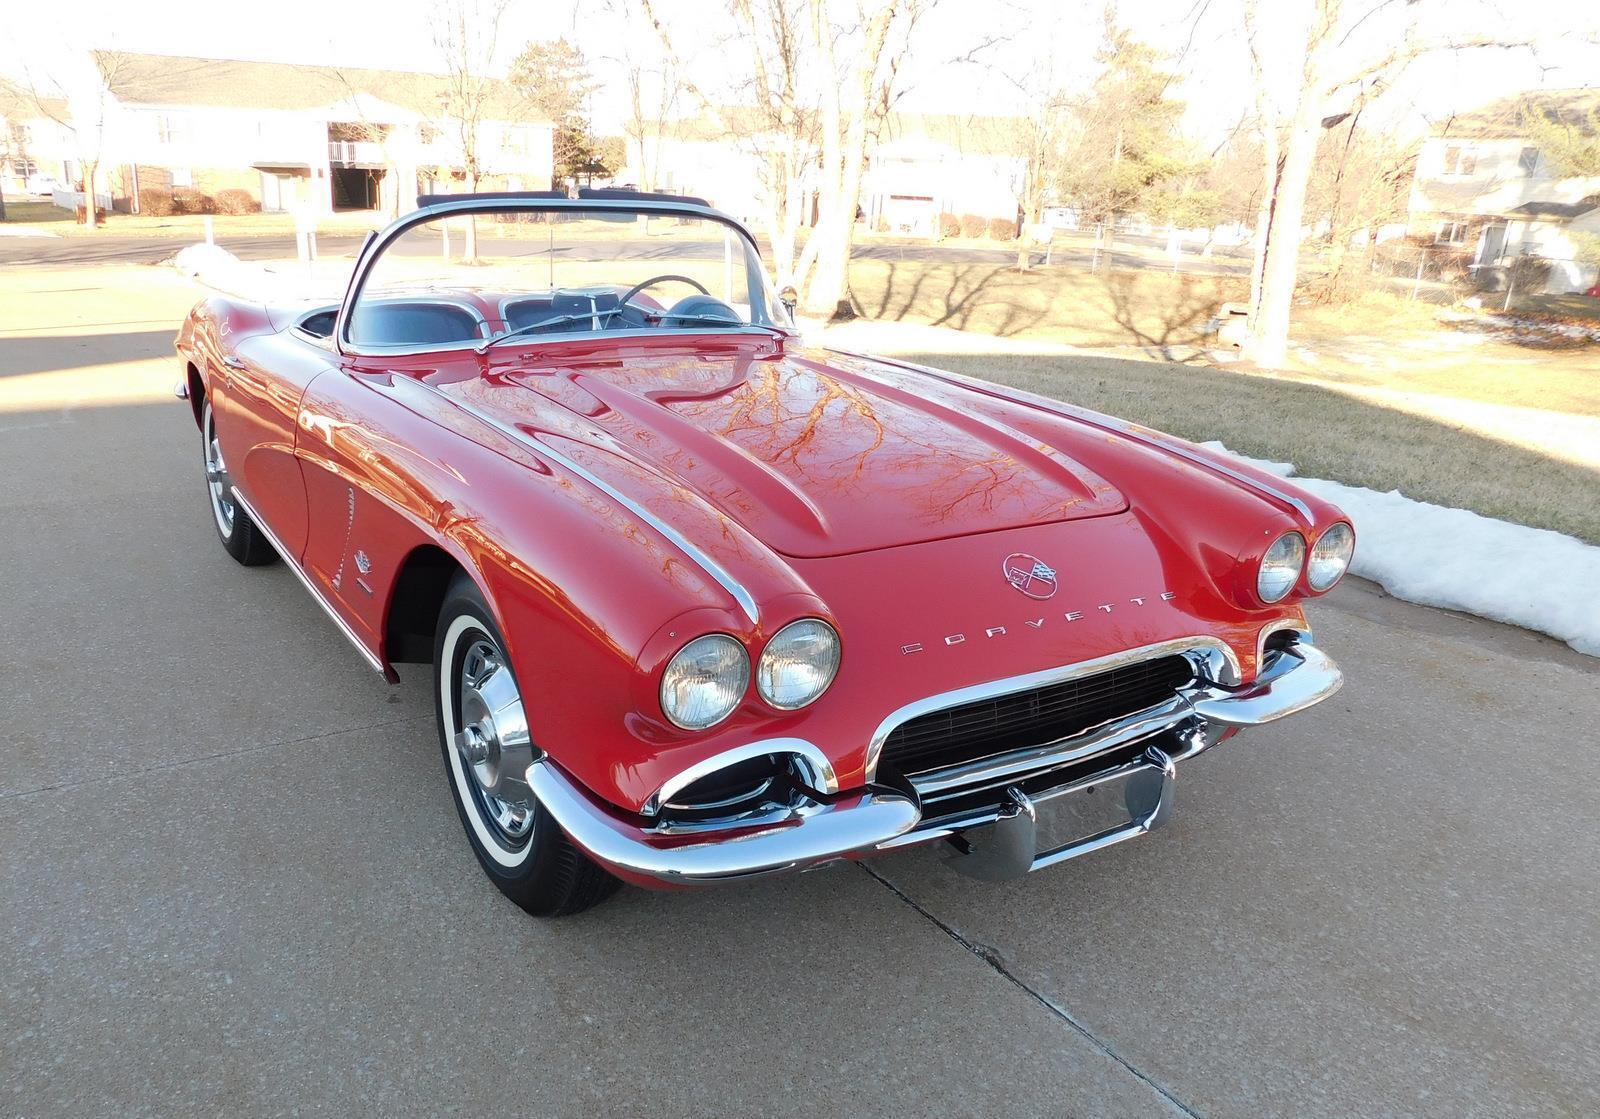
42 185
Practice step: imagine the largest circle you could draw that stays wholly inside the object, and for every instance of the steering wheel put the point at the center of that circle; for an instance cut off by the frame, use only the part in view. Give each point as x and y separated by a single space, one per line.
654 280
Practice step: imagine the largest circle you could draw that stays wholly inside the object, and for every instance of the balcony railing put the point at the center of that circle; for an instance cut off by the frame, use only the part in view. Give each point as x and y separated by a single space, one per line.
355 153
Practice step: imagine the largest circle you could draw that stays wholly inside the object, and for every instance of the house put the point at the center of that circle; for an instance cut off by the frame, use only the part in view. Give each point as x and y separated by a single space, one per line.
927 164
922 165
33 146
1484 190
294 137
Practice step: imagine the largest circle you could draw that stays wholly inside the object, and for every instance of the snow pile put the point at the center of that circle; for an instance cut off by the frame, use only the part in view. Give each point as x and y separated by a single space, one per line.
215 267
1437 556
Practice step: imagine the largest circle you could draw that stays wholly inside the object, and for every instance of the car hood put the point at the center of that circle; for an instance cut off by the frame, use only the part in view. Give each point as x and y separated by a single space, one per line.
812 455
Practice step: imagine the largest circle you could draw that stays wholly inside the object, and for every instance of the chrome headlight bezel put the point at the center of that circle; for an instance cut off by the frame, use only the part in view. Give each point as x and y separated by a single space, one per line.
710 663
1284 562
821 659
1335 558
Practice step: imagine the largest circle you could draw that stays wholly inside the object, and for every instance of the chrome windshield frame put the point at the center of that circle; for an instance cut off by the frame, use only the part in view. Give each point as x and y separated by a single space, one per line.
756 279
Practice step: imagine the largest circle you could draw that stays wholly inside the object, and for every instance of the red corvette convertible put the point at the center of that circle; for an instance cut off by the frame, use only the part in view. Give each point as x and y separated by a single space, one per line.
705 602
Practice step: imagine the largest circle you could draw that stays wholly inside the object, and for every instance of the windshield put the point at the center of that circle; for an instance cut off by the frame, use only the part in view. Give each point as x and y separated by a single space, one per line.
474 279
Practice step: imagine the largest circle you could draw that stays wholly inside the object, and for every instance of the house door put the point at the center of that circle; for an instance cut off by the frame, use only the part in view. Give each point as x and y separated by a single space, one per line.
272 200
1492 245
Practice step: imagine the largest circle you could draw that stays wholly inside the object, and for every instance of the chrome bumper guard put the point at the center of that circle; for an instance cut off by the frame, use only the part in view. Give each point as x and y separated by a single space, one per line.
995 842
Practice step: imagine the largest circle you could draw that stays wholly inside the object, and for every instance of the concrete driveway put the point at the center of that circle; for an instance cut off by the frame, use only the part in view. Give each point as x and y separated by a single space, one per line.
232 880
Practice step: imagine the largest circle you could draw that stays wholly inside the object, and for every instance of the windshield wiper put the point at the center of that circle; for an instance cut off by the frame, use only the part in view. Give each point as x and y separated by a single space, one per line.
664 319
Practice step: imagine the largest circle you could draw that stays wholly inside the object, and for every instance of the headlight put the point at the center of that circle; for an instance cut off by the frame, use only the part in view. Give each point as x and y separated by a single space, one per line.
799 663
1280 567
1330 557
705 681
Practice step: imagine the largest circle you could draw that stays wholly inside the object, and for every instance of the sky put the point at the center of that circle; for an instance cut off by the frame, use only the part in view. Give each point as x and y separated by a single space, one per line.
970 55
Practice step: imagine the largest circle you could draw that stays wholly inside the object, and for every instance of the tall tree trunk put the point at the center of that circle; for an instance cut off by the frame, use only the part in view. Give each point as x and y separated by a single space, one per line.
89 169
1024 249
1258 240
1269 329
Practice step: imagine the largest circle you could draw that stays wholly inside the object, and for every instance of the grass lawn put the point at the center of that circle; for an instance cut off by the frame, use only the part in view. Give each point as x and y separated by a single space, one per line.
34 211
1324 414
1066 305
1324 432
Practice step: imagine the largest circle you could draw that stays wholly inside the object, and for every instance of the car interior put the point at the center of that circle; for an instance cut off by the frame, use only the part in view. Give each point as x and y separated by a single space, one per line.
431 322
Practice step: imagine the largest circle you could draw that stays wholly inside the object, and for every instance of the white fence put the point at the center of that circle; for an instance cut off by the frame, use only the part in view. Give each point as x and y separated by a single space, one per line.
72 199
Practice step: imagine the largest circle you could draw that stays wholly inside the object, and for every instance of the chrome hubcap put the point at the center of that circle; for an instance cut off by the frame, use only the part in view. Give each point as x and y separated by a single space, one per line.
217 479
494 736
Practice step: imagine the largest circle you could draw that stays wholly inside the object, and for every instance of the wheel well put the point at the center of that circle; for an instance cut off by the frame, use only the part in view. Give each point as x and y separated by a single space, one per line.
419 591
197 393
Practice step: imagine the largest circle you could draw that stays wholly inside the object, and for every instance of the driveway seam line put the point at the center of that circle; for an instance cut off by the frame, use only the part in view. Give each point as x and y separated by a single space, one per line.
240 752
1052 1007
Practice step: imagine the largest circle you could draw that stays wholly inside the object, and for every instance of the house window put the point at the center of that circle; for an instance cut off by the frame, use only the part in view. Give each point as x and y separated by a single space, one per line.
514 141
1529 160
182 176
1451 233
428 134
172 129
1460 160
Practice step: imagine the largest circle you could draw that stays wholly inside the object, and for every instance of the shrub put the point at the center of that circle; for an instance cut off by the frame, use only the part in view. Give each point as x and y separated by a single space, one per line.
949 226
1003 229
156 203
236 201
188 200
973 225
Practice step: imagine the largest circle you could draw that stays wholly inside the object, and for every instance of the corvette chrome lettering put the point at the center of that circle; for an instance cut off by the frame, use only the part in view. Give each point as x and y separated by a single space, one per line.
992 632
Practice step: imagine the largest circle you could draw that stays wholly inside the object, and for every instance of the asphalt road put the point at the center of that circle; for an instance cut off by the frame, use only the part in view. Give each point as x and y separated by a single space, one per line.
125 249
233 881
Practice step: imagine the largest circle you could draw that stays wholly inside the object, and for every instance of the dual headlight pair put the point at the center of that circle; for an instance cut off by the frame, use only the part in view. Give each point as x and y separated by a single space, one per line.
1283 562
709 676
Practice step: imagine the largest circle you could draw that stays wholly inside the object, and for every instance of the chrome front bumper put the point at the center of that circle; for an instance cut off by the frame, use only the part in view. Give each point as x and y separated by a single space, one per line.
995 841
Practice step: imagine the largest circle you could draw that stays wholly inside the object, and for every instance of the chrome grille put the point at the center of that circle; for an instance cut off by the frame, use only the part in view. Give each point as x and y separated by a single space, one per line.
1001 724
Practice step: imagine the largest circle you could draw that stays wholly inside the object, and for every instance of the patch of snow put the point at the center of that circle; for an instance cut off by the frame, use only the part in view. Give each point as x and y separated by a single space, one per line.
215 267
1438 556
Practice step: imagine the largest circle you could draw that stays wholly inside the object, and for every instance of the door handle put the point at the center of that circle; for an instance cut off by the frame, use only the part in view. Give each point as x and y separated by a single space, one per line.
232 362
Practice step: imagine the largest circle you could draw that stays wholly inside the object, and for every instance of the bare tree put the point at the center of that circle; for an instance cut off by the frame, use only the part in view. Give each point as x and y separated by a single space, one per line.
852 115
83 114
652 104
13 151
467 34
779 128
1332 72
821 89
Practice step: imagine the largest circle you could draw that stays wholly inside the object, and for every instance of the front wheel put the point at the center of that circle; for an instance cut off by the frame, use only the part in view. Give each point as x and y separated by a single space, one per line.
239 534
481 719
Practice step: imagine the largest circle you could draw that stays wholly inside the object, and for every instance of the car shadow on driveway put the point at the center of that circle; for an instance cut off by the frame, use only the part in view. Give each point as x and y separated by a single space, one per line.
51 353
